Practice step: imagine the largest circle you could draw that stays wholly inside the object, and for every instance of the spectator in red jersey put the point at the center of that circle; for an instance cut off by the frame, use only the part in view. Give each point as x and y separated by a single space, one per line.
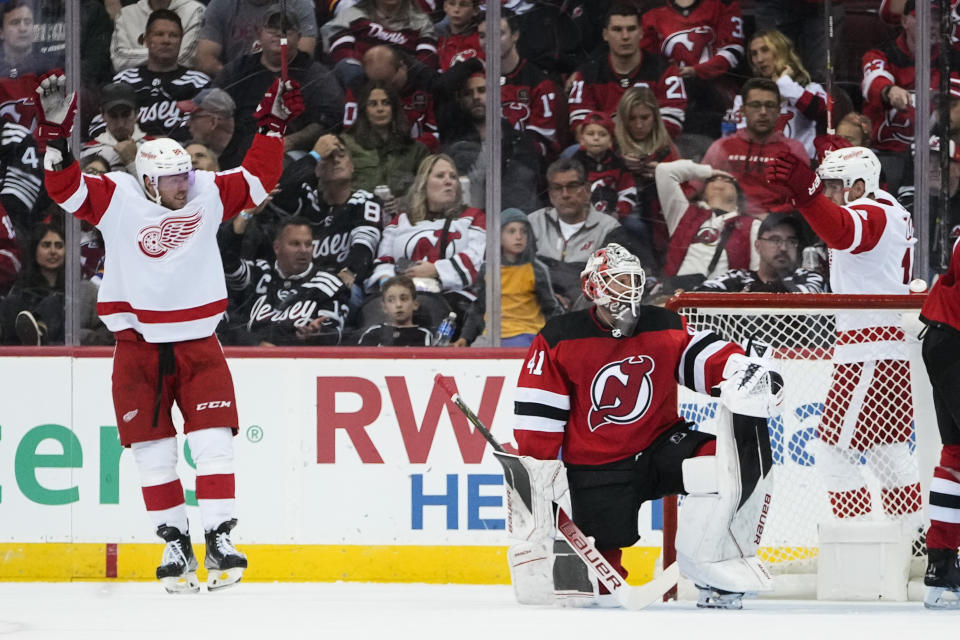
612 190
744 154
457 34
643 142
802 21
705 39
803 102
599 84
371 22
528 96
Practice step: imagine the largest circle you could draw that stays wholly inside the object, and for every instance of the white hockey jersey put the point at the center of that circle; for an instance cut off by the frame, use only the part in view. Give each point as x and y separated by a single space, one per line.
163 276
871 252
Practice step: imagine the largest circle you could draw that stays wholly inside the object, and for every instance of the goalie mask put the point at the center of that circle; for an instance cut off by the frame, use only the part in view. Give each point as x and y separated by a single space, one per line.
613 279
161 157
849 165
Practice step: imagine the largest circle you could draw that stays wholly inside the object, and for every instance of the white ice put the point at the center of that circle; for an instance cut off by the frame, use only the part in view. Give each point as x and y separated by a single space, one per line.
106 610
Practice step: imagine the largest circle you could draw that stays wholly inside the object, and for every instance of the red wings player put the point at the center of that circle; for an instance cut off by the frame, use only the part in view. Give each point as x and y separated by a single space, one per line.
868 411
163 294
600 386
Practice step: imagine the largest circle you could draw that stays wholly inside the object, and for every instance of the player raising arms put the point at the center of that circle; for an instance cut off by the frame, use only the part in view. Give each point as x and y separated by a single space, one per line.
163 294
868 411
600 386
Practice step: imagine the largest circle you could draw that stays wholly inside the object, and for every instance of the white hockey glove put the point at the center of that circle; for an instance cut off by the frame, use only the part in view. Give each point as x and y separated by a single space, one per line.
56 109
752 386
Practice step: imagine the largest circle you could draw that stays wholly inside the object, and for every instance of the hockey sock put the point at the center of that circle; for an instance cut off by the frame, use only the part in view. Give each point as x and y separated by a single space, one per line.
212 451
162 491
850 504
944 530
615 558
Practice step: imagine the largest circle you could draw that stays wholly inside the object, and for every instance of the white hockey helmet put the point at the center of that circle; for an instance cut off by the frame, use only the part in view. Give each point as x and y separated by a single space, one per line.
613 278
161 157
849 165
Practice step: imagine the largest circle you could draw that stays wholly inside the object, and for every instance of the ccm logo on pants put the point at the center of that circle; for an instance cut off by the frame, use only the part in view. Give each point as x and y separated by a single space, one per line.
215 404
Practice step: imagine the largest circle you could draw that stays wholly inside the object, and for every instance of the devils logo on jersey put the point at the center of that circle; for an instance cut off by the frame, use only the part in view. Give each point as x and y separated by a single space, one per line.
157 240
695 41
621 392
425 245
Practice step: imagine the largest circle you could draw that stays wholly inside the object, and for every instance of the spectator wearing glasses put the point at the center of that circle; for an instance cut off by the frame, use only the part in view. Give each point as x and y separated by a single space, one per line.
569 231
212 122
778 247
745 153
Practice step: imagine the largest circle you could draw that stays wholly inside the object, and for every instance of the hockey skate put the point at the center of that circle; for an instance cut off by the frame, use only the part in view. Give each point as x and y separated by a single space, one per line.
225 565
942 580
711 598
178 569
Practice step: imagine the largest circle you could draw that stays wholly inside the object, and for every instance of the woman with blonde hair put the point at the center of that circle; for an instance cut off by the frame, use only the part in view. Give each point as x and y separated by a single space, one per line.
436 239
804 103
644 143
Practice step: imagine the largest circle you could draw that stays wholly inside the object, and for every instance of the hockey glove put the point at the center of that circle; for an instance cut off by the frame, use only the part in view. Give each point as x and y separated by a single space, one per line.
56 109
752 386
795 179
281 104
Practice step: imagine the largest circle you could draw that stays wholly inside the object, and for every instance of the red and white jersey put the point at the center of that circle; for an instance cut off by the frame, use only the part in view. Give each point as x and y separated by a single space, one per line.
529 101
800 110
708 37
600 399
871 251
943 302
163 275
456 48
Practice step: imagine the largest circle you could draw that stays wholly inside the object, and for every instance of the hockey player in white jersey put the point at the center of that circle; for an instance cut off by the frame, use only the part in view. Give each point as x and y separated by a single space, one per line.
868 412
163 294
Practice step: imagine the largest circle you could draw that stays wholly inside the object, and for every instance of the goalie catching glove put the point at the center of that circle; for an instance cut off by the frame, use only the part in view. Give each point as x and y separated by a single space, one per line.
281 103
751 386
56 109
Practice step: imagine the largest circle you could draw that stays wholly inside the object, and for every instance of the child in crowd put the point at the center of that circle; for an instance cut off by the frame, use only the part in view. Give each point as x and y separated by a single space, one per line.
399 297
526 294
457 33
612 188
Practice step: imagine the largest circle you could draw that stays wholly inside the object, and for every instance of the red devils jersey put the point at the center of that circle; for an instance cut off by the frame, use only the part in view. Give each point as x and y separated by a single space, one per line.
417 105
892 65
708 36
529 99
351 32
457 48
601 399
17 100
597 87
943 302
612 188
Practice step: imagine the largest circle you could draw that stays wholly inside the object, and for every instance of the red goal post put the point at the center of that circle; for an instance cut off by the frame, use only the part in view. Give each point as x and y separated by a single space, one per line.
801 329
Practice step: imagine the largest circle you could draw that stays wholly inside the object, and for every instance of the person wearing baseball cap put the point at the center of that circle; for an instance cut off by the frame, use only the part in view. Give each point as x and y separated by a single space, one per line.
211 120
613 190
122 136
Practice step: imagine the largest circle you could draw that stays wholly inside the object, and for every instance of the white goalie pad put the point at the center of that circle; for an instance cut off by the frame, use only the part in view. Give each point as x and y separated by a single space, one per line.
531 571
722 518
752 386
532 488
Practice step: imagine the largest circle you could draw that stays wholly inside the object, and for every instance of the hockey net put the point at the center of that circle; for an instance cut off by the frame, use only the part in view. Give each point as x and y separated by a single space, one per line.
802 331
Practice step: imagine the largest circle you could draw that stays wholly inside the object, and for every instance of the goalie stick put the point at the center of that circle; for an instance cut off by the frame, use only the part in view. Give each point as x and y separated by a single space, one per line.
631 597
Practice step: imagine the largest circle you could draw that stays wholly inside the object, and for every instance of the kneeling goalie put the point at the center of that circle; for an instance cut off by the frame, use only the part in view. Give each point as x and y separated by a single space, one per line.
600 386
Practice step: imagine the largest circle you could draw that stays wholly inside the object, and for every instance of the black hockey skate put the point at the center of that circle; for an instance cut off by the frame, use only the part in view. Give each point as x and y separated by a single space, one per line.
713 598
225 565
942 579
178 569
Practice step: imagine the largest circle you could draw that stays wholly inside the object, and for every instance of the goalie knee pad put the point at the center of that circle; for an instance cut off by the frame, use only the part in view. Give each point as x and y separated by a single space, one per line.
719 531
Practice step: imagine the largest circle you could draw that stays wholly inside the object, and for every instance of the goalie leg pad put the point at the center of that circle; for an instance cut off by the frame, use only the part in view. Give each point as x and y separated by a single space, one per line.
532 488
531 572
718 533
574 584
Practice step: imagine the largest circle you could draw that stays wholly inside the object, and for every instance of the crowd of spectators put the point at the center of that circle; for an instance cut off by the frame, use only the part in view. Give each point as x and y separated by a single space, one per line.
647 122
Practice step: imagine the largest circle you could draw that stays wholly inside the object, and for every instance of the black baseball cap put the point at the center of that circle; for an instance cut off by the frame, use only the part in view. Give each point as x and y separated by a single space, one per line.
117 93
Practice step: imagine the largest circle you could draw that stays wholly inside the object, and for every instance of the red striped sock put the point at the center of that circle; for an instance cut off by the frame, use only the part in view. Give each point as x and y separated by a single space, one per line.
848 504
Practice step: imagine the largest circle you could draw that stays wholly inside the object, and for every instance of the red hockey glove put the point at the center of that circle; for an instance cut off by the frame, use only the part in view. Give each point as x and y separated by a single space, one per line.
56 109
281 104
826 143
795 179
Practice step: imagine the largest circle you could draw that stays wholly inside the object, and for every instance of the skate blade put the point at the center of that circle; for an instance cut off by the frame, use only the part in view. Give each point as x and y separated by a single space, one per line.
934 599
223 578
721 602
187 583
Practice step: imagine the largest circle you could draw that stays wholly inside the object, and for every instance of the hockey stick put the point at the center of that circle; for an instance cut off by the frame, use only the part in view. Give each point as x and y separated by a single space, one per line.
631 597
828 18
283 40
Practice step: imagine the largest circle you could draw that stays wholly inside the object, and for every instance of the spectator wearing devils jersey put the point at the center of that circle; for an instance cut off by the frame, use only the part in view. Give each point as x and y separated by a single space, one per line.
163 296
705 39
598 84
745 154
870 237
457 34
612 189
21 179
161 81
528 96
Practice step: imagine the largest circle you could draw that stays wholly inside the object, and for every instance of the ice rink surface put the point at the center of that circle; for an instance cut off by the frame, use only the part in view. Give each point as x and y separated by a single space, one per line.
106 610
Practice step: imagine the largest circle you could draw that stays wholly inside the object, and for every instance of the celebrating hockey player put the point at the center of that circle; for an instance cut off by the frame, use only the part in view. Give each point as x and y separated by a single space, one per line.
600 386
868 411
163 294
941 355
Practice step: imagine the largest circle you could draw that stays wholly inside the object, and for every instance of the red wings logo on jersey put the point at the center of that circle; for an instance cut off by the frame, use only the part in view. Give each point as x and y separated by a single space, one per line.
696 41
157 240
621 392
